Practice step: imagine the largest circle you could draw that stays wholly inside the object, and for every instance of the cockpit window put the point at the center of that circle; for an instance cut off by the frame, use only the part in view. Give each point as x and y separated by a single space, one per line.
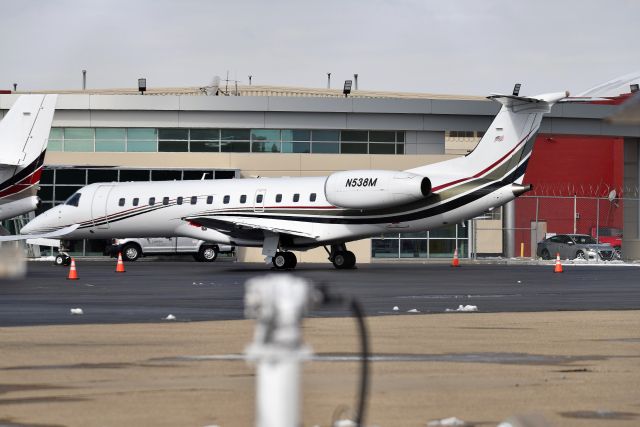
73 200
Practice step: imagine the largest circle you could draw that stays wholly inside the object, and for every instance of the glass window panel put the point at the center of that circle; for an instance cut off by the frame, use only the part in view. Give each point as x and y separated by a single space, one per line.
413 248
110 146
78 133
278 198
47 176
296 197
173 134
265 147
463 231
226 199
378 148
296 135
353 148
101 175
235 147
463 248
152 201
235 134
326 135
74 247
95 246
54 145
205 146
166 175
46 192
417 234
63 192
445 231
194 200
296 147
71 176
312 197
209 200
355 135
197 174
134 175
121 202
400 149
136 200
243 198
225 174
142 134
265 135
179 200
173 146
111 134
55 133
326 147
441 248
382 136
84 145
387 248
400 136
165 201
142 146
204 134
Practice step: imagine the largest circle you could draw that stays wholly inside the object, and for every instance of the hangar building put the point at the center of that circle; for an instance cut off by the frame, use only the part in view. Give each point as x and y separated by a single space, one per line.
185 133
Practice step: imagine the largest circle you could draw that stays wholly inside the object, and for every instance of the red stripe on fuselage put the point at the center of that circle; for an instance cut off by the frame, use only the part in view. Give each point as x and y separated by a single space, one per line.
23 184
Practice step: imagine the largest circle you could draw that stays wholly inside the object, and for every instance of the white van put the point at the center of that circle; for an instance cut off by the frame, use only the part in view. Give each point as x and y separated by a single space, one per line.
202 251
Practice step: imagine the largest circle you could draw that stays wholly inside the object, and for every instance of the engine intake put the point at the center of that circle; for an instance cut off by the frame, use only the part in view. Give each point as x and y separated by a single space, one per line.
368 189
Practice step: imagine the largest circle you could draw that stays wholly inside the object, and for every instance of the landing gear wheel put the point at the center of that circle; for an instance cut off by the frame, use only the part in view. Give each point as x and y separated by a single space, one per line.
343 260
62 259
131 252
545 254
207 254
284 260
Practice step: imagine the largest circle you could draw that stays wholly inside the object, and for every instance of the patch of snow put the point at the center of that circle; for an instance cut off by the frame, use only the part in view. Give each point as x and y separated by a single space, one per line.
463 308
451 421
413 310
77 311
170 317
396 308
519 281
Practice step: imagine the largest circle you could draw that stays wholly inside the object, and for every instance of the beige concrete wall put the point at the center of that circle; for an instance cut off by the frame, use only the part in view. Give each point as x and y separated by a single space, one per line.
250 164
489 236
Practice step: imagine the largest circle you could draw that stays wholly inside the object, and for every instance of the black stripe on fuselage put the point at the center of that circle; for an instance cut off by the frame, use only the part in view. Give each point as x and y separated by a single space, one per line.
25 172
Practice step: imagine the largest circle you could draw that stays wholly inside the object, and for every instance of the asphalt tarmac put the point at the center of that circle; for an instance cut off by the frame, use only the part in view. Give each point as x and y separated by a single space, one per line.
151 290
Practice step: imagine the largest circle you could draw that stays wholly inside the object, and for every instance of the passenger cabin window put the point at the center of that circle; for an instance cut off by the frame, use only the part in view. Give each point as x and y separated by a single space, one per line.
194 200
121 202
179 200
312 197
243 198
152 201
136 201
209 200
225 200
165 201
278 198
73 200
296 197
259 198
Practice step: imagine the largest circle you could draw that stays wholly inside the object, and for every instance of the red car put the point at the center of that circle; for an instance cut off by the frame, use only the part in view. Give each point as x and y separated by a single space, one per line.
610 235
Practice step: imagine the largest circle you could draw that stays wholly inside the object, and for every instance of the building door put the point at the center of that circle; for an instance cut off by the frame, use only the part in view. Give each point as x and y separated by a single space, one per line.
99 206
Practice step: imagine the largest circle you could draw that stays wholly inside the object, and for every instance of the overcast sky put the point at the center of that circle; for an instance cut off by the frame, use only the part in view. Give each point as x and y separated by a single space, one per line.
466 47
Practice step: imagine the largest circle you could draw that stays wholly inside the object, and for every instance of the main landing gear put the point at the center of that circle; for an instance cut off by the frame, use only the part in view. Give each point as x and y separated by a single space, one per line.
340 257
284 260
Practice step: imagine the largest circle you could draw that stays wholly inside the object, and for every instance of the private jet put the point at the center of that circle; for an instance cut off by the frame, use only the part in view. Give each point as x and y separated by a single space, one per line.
288 214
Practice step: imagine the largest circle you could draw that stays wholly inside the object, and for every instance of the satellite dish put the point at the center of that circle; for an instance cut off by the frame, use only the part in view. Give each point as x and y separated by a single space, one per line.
612 195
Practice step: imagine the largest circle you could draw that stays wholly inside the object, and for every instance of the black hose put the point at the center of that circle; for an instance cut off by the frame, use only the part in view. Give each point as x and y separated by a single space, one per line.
363 389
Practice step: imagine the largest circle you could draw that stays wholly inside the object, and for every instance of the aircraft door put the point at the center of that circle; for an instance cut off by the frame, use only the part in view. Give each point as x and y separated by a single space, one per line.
99 206
258 202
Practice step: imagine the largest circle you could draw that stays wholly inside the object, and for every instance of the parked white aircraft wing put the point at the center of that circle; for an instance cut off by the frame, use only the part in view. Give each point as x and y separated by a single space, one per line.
57 233
274 226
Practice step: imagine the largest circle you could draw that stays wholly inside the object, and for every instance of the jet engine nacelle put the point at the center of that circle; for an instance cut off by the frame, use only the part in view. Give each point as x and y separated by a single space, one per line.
367 189
18 207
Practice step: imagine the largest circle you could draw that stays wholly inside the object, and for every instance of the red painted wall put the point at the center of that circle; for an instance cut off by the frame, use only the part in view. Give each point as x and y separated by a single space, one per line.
568 165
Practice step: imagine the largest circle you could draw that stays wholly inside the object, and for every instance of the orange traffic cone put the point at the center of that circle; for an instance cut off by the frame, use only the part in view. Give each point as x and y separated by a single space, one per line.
558 268
456 261
120 265
73 273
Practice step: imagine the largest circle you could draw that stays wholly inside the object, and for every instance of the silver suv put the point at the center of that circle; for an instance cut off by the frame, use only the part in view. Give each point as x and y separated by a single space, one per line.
202 251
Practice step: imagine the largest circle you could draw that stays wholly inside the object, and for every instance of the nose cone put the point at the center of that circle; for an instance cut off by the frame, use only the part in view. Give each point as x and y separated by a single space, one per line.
35 225
28 229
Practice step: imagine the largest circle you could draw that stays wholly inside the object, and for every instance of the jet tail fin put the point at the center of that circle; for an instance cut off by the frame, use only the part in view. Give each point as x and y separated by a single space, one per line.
24 130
